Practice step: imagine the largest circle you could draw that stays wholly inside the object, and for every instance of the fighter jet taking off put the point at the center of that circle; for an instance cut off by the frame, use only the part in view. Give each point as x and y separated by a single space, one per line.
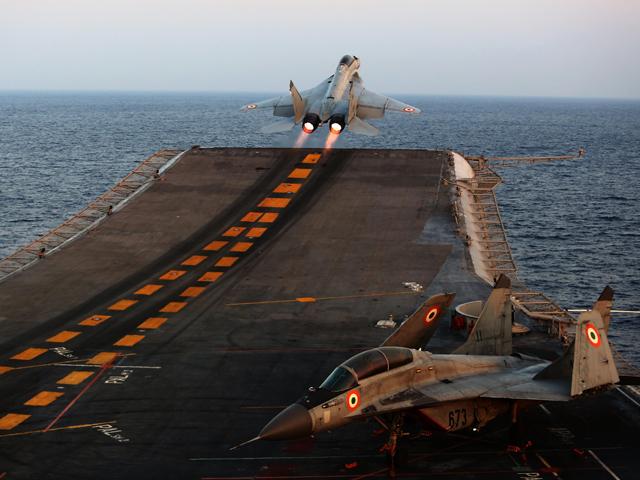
479 381
341 101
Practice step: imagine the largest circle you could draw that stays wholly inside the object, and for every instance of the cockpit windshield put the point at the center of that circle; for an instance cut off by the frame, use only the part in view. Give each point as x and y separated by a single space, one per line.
366 364
340 380
346 60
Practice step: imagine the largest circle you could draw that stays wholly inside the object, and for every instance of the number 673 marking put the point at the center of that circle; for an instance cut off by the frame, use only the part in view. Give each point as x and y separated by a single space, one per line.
457 418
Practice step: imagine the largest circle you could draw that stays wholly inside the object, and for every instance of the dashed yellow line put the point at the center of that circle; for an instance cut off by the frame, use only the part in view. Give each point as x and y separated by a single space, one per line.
272 202
75 377
256 232
128 340
102 358
215 246
194 260
149 289
12 420
173 307
226 261
300 173
152 323
29 354
241 247
312 158
269 217
4 369
43 399
63 336
210 277
192 292
251 217
173 274
287 188
122 304
233 231
94 320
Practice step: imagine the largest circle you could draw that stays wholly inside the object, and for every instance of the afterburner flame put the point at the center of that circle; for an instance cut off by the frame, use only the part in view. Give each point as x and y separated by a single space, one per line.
331 140
302 137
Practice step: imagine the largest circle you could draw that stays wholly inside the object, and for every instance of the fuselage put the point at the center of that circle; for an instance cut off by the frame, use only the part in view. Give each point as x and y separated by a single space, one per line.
348 395
333 106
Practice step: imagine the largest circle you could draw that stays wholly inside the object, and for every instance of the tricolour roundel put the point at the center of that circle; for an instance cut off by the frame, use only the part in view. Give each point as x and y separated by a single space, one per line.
431 315
409 109
251 106
592 335
353 400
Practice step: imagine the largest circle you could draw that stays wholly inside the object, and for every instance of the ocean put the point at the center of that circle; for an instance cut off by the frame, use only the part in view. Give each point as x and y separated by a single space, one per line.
574 226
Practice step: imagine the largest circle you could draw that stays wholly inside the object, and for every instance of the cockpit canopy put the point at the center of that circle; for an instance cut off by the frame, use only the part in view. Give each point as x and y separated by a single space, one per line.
366 364
347 60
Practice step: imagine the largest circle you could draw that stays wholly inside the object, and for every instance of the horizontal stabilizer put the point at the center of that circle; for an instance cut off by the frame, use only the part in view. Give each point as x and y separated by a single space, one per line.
363 128
282 126
418 329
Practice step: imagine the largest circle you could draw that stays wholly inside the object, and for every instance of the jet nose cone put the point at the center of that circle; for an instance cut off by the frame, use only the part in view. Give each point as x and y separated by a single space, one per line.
293 422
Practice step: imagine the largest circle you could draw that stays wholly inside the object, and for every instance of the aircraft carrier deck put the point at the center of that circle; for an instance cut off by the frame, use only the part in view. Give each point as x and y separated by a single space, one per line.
178 326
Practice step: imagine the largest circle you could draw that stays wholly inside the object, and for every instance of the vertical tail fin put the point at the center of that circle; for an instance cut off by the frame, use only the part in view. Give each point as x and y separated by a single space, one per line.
298 103
603 306
491 335
588 361
593 364
416 330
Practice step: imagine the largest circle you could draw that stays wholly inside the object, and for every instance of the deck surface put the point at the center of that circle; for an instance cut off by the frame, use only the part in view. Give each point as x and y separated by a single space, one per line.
226 289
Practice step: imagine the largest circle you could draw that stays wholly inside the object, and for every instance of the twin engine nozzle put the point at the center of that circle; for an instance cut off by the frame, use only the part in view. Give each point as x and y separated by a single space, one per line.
311 122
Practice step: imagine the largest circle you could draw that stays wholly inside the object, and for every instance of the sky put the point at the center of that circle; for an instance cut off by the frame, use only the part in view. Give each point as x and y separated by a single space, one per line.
565 48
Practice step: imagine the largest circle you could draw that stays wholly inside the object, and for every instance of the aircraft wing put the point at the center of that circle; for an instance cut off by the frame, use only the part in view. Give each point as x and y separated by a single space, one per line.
283 106
374 105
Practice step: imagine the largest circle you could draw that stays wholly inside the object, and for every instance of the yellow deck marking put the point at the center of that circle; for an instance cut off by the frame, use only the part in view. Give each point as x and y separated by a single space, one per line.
241 247
43 399
122 304
173 307
102 358
172 274
192 292
300 173
11 420
29 354
69 427
4 369
63 336
128 340
210 277
94 320
305 299
215 246
274 202
194 260
75 377
287 188
251 217
312 158
317 299
256 232
233 232
226 261
269 217
152 322
148 289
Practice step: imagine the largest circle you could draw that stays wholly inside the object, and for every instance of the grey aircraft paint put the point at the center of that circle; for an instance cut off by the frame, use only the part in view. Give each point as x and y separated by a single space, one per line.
341 101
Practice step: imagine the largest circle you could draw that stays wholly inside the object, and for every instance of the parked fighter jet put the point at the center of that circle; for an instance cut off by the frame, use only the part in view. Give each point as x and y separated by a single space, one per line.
477 382
341 100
